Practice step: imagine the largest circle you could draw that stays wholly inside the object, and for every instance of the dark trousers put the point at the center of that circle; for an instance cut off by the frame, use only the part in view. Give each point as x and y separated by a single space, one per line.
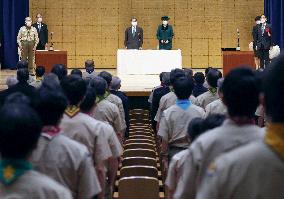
263 55
40 47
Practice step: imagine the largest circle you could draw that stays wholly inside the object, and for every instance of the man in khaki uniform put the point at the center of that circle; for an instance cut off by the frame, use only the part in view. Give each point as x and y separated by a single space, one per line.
255 170
174 121
61 158
17 178
82 127
211 95
27 40
106 111
113 98
241 86
217 106
170 98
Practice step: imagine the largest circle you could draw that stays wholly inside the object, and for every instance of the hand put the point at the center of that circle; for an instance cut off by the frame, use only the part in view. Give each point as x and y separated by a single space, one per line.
125 47
162 41
140 48
167 41
271 47
269 35
34 49
21 49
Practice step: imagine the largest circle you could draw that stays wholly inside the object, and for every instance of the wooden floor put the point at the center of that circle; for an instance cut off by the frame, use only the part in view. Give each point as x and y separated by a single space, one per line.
133 85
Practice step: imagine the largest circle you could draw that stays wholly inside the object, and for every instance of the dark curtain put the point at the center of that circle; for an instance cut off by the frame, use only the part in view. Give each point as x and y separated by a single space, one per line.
274 10
13 13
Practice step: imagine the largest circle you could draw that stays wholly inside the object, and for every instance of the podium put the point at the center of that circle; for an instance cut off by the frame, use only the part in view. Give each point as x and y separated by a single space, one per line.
234 59
49 58
147 62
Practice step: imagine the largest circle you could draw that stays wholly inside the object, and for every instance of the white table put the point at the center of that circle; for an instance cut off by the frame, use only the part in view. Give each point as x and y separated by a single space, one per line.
143 62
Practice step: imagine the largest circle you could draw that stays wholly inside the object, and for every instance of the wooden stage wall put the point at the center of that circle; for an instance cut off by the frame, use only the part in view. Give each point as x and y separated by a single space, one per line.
95 28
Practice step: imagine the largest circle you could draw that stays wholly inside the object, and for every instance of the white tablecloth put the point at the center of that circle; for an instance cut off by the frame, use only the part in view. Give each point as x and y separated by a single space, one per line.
142 62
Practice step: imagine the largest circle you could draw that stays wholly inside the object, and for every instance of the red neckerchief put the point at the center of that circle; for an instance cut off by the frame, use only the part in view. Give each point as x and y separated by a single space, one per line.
50 131
242 121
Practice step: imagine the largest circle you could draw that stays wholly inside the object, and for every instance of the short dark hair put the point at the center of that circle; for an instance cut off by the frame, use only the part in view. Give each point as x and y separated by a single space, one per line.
212 77
17 98
99 84
40 70
213 121
107 76
188 72
77 72
52 104
89 101
241 92
207 70
176 73
23 75
74 88
133 18
161 76
22 64
60 70
257 18
195 128
199 78
20 129
183 87
274 90
166 79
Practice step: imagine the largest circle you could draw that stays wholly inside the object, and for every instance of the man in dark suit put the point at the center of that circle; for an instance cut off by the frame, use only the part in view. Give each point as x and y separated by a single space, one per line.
264 42
133 36
42 32
254 36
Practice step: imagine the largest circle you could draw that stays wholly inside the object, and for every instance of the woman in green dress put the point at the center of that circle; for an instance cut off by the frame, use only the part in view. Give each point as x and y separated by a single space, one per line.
165 34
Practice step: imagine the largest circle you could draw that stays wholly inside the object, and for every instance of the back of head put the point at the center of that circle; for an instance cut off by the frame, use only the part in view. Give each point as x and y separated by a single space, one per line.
107 76
89 66
199 78
241 93
40 70
115 83
212 77
161 76
213 121
52 104
23 75
22 64
60 70
183 87
18 98
77 72
207 70
99 84
11 81
175 74
195 128
274 90
188 72
74 88
89 101
51 80
20 137
166 79
220 85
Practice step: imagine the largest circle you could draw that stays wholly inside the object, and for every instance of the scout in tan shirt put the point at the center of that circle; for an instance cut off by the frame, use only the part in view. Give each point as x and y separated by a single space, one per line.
27 40
211 95
240 85
18 140
59 157
255 170
174 122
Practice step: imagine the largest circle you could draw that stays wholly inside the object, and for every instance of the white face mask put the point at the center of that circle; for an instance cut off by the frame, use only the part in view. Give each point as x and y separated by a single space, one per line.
39 19
134 23
258 22
29 23
165 23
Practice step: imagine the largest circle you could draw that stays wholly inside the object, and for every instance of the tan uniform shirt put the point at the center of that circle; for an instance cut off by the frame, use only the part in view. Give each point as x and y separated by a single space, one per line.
206 148
108 112
215 107
254 171
206 98
174 171
117 101
26 34
167 101
88 131
34 185
69 163
174 122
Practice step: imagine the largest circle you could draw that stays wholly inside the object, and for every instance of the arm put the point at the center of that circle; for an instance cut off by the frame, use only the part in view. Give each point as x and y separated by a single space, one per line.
36 38
158 33
141 38
126 37
46 35
19 37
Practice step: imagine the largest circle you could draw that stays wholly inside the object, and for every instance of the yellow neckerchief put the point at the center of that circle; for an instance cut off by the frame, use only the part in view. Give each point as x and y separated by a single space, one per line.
275 138
38 79
102 97
72 110
212 90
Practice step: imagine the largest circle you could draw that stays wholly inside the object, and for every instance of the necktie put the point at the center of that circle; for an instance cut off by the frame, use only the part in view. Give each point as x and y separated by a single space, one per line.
39 26
262 29
133 31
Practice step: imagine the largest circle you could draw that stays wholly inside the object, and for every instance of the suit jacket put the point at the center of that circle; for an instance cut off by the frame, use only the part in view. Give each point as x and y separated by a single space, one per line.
264 41
165 33
133 42
42 34
254 35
